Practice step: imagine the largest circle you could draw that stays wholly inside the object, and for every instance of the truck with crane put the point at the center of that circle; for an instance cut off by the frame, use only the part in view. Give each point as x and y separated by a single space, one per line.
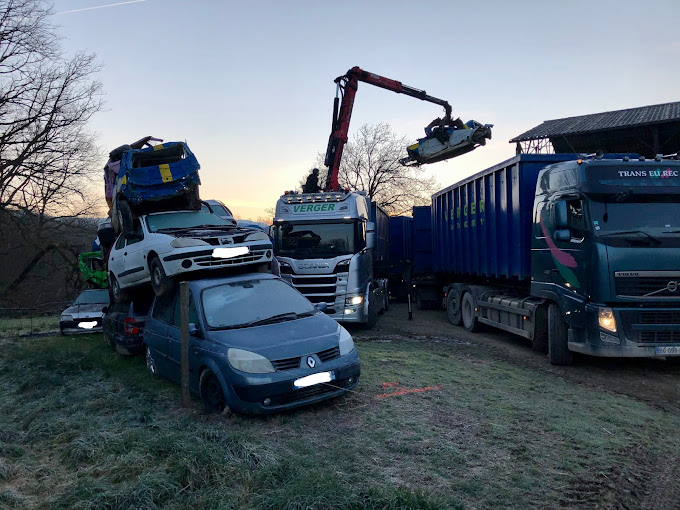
576 254
333 246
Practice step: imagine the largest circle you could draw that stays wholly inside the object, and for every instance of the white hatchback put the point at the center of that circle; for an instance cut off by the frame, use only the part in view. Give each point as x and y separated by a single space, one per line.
165 245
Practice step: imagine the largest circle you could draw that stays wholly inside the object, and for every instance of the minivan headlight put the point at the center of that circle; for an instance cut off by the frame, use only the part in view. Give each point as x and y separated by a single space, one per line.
346 342
250 362
606 319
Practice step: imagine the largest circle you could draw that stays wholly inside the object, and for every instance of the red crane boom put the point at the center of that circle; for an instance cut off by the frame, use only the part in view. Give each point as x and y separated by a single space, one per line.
342 113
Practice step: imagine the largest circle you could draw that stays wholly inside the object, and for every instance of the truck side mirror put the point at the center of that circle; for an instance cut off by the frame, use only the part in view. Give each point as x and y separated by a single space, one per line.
562 234
561 216
370 235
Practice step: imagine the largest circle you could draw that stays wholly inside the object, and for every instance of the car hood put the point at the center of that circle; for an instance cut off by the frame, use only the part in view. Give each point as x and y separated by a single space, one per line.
283 339
85 311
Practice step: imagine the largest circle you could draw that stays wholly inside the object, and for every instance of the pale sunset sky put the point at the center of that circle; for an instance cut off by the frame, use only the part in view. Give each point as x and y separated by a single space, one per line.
249 85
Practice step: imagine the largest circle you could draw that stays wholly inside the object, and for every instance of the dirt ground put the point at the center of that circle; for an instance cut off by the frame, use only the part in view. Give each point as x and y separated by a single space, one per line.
648 482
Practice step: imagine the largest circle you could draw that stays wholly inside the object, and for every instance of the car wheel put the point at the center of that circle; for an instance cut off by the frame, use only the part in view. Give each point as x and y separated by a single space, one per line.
150 362
453 310
558 338
211 392
467 307
118 293
124 217
160 282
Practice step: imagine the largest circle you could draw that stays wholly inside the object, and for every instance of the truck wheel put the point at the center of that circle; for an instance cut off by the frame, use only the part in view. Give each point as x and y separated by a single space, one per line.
558 349
124 214
539 342
160 282
469 317
453 308
372 314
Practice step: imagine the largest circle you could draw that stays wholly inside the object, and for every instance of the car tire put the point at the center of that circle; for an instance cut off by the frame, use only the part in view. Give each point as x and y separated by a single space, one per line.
453 311
558 338
117 293
211 392
467 311
151 363
160 282
124 218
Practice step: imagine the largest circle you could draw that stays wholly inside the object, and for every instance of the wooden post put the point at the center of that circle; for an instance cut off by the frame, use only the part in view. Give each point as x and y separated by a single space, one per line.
184 339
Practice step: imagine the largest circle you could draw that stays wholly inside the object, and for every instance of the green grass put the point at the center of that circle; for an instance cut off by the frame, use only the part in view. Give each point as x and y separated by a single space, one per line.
28 325
81 427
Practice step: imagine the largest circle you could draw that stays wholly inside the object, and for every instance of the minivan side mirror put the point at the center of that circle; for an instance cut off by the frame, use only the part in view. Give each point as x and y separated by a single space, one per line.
322 307
193 330
561 216
105 309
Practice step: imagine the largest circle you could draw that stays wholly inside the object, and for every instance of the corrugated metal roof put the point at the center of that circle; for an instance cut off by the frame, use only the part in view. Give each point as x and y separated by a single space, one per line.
601 121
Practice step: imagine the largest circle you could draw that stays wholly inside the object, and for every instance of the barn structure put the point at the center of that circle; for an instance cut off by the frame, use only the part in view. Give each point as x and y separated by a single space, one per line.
646 130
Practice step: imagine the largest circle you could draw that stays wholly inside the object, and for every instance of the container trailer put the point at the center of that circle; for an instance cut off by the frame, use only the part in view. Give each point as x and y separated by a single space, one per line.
575 254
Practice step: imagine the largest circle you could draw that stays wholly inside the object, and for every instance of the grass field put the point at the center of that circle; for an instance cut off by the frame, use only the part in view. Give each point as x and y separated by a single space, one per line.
81 427
28 325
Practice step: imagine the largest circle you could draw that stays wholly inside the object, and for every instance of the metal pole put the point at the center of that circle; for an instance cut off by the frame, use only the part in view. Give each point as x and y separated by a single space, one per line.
184 339
410 312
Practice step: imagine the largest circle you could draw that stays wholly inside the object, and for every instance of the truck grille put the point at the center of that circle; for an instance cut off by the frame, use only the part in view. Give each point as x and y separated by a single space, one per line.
317 288
652 326
653 287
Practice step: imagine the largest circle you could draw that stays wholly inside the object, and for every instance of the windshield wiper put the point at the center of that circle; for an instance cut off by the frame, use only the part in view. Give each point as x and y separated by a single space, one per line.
281 317
651 238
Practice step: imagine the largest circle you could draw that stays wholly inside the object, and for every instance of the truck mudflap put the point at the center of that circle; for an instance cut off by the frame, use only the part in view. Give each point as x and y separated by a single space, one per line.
640 333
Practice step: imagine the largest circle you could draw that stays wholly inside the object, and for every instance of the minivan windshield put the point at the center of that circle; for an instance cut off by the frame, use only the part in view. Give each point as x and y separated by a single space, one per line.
246 303
184 219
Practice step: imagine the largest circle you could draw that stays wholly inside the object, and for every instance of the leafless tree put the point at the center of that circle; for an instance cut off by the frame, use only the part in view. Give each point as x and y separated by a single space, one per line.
47 154
370 162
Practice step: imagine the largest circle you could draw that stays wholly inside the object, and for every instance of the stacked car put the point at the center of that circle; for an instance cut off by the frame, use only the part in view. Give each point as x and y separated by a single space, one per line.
255 343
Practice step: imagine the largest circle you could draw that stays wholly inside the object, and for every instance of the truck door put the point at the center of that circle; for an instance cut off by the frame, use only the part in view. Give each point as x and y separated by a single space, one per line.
566 242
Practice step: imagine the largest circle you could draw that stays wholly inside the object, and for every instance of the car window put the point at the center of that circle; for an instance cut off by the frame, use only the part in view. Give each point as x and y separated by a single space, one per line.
137 233
164 307
120 242
238 303
193 315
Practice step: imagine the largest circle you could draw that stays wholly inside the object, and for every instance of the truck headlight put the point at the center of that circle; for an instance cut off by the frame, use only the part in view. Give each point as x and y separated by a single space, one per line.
355 300
605 317
250 362
346 342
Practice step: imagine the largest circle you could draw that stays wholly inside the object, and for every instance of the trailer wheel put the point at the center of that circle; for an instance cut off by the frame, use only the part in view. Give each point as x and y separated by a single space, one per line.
453 307
558 338
469 317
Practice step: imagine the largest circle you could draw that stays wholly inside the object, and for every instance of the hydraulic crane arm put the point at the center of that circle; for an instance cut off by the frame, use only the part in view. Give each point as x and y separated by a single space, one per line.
342 113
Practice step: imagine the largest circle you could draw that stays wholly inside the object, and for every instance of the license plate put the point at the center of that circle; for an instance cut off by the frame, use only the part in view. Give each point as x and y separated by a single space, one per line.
311 380
668 350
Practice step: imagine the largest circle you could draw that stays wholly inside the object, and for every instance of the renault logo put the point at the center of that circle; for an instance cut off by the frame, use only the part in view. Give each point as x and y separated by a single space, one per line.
672 286
311 362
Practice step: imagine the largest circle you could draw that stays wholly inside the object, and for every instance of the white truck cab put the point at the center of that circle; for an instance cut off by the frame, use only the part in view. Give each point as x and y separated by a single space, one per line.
326 244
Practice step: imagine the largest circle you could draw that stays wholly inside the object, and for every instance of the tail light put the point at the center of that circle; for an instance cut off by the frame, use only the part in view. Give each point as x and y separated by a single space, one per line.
130 326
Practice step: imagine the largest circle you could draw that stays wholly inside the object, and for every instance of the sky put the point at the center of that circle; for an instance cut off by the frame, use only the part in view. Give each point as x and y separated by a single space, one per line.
249 85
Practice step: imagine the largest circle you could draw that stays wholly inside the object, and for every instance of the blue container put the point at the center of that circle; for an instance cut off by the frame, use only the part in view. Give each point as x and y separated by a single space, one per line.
401 239
482 225
422 240
381 254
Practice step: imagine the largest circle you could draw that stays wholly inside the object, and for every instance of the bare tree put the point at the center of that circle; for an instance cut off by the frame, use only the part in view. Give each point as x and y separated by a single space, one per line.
47 155
46 100
370 162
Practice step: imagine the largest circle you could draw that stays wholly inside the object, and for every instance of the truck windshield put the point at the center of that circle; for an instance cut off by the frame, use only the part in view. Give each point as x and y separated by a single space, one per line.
655 218
317 240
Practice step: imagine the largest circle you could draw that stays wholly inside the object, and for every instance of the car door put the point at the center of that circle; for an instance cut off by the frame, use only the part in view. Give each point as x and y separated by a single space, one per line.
135 254
117 259
174 345
157 331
